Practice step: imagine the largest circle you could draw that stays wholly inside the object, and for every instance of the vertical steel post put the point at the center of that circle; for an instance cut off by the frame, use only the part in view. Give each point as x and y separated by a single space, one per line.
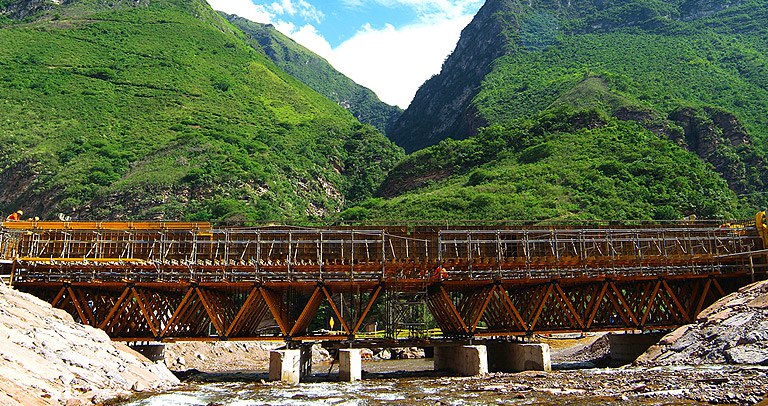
440 246
290 244
258 253
321 255
498 252
352 261
383 254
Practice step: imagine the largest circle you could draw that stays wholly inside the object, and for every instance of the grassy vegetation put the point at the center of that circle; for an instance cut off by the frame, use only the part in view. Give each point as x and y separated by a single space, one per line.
583 119
605 170
164 111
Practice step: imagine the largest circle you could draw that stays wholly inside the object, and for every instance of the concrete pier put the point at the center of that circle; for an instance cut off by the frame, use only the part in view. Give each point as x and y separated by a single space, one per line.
154 351
625 348
285 366
518 357
467 360
350 365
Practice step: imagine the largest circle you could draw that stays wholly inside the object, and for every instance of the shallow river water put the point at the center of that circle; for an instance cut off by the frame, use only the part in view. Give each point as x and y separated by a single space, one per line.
410 382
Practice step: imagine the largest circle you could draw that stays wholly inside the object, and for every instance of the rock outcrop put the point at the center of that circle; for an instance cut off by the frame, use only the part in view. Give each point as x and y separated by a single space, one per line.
48 359
440 108
718 137
734 331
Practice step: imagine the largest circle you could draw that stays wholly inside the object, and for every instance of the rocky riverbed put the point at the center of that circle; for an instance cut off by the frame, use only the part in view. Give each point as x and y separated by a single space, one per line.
413 382
48 359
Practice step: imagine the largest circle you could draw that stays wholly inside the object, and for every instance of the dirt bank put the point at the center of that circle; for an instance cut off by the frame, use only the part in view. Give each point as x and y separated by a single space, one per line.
48 359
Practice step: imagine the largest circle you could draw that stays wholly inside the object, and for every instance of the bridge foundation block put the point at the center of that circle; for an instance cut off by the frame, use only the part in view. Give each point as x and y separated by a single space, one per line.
285 366
154 352
519 357
467 360
350 365
626 348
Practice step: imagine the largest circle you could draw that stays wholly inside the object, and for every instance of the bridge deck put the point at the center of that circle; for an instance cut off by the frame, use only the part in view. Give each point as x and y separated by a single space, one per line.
169 281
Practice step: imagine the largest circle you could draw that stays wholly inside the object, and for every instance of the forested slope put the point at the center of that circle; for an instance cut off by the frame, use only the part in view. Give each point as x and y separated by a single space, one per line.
318 74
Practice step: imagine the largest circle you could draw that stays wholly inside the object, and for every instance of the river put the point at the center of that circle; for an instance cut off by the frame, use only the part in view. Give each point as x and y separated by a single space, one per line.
411 382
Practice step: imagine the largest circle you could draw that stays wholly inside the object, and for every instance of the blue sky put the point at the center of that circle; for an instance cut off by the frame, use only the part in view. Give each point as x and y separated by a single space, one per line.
389 46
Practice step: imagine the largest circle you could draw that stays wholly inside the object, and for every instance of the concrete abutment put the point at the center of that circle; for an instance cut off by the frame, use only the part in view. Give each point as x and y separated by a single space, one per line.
626 348
472 360
519 357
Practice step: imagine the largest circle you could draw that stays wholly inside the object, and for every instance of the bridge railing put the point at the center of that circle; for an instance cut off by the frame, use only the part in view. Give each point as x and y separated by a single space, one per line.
594 243
198 251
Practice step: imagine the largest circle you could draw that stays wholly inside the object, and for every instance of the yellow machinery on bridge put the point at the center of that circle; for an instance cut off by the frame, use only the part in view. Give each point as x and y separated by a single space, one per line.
171 280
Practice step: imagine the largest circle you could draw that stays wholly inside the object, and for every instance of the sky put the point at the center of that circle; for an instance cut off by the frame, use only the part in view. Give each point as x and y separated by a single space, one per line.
388 46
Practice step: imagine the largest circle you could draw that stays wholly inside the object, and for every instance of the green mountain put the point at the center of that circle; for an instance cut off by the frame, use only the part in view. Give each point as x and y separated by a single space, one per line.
163 109
594 109
318 74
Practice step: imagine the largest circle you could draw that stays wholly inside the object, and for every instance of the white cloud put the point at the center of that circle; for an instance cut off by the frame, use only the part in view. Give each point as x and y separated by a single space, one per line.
244 8
394 62
391 61
428 9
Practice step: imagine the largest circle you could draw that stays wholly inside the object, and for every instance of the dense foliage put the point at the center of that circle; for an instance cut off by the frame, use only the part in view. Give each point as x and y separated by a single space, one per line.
162 110
551 170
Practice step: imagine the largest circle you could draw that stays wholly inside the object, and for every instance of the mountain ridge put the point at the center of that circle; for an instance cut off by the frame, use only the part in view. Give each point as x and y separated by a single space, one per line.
684 79
317 73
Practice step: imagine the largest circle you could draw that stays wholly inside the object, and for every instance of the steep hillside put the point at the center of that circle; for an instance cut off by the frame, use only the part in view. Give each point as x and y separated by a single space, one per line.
683 81
318 74
161 109
441 106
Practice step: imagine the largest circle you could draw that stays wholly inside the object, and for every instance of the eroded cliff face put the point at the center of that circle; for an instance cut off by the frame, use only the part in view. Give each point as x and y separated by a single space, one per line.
48 359
718 137
439 109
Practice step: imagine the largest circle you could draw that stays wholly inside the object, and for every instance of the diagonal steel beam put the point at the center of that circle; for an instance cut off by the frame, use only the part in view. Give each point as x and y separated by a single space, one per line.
571 314
368 307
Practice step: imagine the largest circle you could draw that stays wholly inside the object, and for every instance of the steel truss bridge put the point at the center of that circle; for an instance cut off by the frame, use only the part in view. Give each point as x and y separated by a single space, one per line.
189 281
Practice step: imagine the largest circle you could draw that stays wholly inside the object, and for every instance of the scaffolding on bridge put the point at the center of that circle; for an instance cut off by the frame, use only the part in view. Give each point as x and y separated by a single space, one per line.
165 280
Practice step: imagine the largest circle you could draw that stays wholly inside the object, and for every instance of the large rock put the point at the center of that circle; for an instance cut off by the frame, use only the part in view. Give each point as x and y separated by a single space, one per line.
734 330
48 359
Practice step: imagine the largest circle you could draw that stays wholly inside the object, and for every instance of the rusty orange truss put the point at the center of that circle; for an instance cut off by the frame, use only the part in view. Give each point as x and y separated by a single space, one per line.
190 281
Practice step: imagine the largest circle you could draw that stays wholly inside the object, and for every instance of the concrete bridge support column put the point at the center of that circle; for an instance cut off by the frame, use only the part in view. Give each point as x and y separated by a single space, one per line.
625 348
350 365
155 351
467 360
285 366
518 357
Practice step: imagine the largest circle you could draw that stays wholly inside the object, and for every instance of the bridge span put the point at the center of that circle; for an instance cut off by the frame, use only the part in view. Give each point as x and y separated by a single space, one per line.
166 281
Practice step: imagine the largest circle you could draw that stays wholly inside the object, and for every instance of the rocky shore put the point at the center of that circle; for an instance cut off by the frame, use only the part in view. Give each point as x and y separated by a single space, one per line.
732 331
48 359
